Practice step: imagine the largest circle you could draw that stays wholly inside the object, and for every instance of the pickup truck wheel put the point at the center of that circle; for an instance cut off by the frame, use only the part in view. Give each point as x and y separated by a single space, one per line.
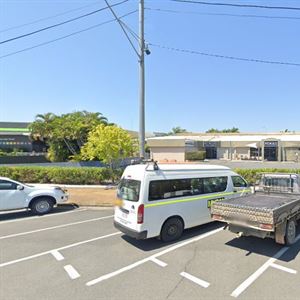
171 230
290 233
42 206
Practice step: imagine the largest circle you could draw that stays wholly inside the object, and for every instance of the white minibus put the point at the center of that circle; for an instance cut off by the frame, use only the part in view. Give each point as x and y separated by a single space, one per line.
161 200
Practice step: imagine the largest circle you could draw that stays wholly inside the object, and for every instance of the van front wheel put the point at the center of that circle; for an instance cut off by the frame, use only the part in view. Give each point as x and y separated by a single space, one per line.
171 230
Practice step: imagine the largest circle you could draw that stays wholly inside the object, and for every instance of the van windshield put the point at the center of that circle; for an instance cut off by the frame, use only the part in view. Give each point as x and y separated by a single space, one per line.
129 189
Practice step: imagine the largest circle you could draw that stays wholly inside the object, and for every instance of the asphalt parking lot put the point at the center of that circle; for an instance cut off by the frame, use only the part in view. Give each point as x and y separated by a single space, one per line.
76 253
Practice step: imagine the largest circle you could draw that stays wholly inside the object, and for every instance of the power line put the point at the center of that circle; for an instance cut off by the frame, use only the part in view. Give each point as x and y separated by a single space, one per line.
131 31
221 14
61 23
49 17
226 56
66 36
122 27
238 5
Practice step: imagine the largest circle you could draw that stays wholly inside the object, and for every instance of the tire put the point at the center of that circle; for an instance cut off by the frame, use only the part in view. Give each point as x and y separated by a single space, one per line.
290 233
42 206
171 230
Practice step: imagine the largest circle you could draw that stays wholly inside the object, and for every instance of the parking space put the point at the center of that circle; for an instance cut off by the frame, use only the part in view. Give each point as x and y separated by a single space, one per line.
77 253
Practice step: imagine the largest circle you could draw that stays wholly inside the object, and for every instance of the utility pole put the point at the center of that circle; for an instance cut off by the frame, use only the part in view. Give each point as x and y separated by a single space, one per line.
142 80
141 56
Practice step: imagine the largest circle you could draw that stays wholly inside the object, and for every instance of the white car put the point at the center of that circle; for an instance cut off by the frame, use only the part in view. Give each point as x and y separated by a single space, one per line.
17 195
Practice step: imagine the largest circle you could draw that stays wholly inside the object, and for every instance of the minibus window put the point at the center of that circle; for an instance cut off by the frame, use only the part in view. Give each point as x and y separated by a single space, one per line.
165 189
129 189
238 181
214 184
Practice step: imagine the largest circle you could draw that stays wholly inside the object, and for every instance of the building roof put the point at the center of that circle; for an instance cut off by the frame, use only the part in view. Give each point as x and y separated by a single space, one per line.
236 137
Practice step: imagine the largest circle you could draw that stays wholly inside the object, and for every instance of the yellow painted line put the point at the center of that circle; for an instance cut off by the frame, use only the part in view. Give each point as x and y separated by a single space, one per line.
195 198
15 129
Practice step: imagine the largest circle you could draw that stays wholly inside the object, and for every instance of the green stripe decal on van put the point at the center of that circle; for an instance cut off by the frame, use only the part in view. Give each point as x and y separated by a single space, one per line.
196 198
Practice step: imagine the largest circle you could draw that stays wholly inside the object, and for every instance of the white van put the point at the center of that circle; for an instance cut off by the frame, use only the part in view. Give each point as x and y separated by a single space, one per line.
163 200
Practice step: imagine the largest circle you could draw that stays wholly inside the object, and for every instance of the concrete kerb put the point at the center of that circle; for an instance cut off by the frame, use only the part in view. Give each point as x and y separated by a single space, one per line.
87 187
78 186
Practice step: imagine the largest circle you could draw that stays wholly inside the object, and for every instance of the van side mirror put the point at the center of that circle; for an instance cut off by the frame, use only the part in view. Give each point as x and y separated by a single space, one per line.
20 187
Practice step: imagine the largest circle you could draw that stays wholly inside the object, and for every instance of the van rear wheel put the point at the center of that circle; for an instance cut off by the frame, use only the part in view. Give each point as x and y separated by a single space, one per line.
171 230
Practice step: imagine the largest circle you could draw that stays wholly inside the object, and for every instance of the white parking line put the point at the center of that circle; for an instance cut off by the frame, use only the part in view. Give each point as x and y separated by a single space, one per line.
57 249
196 280
159 262
242 287
58 256
71 271
53 227
39 217
149 258
282 268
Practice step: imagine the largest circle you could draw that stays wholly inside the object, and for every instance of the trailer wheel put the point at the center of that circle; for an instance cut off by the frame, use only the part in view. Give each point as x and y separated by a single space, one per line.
290 233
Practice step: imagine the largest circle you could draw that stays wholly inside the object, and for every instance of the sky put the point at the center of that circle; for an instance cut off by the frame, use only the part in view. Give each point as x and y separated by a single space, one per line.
97 70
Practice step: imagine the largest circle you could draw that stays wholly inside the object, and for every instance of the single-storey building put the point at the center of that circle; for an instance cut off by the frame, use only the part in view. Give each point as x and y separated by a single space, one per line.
15 136
282 146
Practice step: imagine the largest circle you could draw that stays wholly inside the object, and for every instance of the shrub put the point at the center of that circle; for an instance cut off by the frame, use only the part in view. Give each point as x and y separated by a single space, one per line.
92 175
251 175
199 155
57 175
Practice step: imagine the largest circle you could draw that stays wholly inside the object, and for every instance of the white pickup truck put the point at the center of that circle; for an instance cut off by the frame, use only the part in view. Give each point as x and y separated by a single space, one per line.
40 200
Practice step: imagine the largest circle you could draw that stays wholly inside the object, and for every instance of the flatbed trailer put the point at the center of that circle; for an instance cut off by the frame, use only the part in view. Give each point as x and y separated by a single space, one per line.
272 211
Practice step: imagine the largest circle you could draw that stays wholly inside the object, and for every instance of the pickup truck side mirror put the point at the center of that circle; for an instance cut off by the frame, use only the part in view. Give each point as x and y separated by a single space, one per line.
20 187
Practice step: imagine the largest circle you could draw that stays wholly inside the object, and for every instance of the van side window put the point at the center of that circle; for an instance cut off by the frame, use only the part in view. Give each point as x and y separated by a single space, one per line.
165 189
214 184
238 181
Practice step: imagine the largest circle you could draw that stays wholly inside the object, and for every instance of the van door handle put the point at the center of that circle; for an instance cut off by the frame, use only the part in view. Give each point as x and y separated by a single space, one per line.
132 207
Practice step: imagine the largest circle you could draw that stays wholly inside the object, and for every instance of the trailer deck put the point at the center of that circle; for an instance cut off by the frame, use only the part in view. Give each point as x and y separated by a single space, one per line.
257 209
261 200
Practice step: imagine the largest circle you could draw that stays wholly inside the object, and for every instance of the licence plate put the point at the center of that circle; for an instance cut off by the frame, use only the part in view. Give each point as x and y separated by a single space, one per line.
124 215
119 203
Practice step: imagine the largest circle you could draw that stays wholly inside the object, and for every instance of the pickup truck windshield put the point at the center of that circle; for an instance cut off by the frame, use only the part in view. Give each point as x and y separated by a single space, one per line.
129 189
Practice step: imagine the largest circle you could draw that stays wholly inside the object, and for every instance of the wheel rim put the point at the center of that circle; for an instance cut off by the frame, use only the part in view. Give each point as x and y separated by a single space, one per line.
291 232
172 230
42 206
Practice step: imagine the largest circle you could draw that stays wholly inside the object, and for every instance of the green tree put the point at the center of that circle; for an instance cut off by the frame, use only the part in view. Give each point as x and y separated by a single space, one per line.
176 130
42 125
229 130
65 134
108 144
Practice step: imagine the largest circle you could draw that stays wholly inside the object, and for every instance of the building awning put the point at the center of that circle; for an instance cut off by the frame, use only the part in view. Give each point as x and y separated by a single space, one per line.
253 145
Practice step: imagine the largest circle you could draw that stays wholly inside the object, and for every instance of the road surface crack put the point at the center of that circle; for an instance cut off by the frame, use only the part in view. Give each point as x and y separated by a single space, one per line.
185 270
